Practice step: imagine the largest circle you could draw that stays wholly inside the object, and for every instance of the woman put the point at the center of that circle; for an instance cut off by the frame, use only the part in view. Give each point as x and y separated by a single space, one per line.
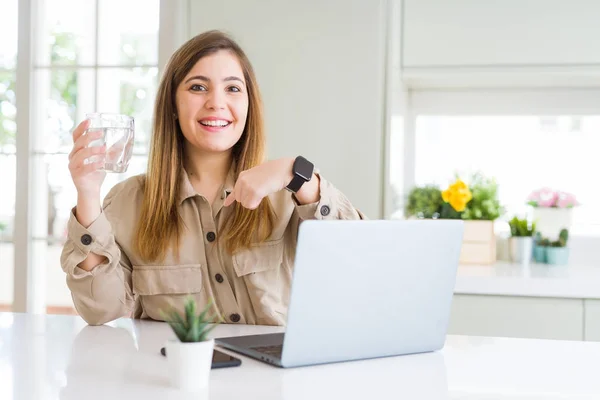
210 218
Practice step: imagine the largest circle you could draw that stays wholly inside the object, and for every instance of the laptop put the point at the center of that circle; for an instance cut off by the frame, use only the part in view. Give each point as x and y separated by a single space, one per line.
364 289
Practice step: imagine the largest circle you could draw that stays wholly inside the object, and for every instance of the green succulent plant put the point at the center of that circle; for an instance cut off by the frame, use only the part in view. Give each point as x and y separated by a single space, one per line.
545 242
521 227
563 238
191 327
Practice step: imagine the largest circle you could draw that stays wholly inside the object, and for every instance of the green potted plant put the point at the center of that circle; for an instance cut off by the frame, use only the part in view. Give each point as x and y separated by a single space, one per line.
476 202
521 240
558 252
190 353
424 202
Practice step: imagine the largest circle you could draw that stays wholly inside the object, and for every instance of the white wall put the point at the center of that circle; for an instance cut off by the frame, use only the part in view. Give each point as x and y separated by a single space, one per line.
510 43
441 33
321 66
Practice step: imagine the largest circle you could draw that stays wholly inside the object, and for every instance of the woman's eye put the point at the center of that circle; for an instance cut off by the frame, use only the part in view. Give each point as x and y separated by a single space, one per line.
197 88
234 89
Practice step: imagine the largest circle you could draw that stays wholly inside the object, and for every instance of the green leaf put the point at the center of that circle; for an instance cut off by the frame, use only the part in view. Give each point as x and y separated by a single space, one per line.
202 316
180 331
206 330
176 318
190 310
194 332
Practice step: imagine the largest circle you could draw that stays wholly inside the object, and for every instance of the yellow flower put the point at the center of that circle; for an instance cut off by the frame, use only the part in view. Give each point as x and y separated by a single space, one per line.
458 195
446 195
458 204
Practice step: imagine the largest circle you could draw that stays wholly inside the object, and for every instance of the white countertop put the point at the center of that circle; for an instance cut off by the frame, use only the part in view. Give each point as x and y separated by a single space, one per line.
536 280
60 357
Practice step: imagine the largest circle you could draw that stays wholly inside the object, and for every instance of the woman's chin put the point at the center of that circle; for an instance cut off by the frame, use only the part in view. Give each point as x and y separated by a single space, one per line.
214 146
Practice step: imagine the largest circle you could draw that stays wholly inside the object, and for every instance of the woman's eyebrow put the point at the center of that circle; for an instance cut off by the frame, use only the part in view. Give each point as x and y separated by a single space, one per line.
205 79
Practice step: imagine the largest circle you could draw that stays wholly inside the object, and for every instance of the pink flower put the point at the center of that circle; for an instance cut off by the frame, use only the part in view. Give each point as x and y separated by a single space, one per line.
566 200
546 203
547 197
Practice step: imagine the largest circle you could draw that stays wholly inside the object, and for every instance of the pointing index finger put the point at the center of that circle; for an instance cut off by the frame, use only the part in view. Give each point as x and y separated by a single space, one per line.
229 199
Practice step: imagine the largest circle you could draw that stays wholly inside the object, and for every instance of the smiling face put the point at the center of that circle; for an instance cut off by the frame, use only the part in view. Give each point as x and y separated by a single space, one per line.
212 103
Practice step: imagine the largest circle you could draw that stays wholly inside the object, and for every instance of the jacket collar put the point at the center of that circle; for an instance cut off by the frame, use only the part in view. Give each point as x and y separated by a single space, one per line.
186 190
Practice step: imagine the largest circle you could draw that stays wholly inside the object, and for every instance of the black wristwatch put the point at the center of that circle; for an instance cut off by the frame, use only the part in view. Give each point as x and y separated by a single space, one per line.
302 171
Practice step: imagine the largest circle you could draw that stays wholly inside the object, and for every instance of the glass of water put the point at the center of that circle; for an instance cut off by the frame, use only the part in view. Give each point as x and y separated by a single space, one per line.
117 135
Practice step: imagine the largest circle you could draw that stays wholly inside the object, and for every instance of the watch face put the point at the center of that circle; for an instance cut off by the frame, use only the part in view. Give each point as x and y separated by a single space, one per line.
303 168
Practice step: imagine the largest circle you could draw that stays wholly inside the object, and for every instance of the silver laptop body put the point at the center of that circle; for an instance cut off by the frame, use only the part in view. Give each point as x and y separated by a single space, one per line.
364 289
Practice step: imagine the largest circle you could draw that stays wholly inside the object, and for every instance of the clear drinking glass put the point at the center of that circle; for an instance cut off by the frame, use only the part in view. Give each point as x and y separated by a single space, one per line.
118 134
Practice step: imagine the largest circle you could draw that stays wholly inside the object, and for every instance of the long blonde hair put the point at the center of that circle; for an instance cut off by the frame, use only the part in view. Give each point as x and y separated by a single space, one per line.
160 224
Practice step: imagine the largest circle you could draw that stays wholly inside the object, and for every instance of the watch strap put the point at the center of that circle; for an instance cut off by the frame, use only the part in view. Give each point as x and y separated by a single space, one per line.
302 172
295 184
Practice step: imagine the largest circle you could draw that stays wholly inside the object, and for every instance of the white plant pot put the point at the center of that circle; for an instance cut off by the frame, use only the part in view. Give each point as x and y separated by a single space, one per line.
190 364
521 249
551 220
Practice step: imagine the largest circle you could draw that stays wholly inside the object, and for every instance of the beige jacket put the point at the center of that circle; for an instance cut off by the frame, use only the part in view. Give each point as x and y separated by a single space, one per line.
251 286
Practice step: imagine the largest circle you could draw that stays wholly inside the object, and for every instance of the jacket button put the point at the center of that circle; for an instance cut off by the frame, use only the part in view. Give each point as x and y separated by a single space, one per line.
210 236
86 239
219 278
325 210
235 317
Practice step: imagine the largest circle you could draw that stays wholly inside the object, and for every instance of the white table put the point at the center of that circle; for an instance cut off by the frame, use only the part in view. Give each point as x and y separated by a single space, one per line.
59 357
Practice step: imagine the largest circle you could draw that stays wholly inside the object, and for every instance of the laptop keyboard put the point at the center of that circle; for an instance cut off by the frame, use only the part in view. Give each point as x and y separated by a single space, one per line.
274 350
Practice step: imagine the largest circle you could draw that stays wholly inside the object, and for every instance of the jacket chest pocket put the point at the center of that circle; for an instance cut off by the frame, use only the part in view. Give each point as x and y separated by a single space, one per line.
161 287
267 280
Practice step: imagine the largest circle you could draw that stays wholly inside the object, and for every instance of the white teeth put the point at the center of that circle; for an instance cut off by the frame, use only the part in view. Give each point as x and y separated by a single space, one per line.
218 122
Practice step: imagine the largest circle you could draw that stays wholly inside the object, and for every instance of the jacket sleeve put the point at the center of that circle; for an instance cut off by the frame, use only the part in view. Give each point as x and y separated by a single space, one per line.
333 204
104 293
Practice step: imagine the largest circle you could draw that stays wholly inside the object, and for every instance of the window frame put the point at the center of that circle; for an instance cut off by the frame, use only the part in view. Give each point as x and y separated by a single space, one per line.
29 268
477 102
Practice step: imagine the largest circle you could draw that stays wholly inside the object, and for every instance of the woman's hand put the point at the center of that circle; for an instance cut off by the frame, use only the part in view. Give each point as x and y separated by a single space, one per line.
85 165
87 175
257 183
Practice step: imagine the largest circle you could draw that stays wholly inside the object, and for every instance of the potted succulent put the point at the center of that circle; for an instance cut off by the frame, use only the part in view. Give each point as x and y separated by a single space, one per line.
521 239
540 245
190 354
558 252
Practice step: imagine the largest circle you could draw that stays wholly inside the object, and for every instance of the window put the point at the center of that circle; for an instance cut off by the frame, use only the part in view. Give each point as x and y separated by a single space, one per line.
101 56
8 132
523 153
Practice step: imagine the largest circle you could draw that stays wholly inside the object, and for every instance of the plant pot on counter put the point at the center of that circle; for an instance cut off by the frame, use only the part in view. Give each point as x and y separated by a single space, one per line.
539 254
190 364
557 255
521 249
479 243
550 220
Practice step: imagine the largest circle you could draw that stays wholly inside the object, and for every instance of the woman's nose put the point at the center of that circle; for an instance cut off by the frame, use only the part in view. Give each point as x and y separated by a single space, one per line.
215 100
